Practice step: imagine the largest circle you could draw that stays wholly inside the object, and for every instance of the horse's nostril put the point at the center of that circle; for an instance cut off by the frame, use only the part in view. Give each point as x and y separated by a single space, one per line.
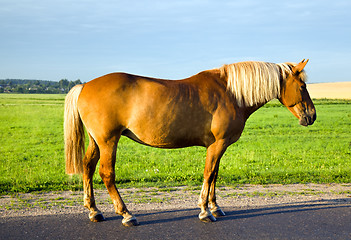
311 119
307 120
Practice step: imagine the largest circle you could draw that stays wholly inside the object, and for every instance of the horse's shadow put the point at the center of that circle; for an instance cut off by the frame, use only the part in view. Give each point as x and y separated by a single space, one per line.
156 217
287 208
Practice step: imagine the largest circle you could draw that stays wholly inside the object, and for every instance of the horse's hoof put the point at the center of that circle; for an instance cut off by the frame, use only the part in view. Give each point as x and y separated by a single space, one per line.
207 217
217 212
96 217
130 221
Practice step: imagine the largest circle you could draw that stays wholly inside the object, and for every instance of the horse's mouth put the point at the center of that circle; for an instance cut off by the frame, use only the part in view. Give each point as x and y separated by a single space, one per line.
306 120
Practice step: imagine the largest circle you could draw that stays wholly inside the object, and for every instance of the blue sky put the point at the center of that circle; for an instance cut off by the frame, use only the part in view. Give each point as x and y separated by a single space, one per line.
56 39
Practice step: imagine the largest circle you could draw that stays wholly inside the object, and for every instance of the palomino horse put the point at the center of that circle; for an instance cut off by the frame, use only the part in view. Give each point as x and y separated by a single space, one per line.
208 109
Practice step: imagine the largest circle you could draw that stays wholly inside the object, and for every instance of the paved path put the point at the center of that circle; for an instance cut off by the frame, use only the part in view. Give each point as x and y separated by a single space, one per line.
307 220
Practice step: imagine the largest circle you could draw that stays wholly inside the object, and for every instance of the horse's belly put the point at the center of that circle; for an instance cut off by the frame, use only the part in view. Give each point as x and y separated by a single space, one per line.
162 140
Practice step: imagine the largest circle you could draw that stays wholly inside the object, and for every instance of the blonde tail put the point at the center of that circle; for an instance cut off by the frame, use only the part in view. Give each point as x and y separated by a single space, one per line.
73 133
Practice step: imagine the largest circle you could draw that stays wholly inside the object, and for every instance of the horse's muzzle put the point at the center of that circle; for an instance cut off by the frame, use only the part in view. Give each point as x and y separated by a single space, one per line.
308 119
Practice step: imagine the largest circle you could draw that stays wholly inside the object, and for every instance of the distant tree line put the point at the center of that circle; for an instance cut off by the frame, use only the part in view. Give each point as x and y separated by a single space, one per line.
36 86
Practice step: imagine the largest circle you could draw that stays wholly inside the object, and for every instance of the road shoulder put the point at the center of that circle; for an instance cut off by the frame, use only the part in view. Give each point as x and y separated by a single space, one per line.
184 197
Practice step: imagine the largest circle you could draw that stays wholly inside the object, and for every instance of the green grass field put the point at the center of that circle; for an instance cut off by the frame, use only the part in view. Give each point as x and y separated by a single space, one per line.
273 148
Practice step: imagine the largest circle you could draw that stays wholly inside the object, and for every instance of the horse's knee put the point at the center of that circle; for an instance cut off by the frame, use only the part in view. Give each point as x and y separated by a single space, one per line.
107 176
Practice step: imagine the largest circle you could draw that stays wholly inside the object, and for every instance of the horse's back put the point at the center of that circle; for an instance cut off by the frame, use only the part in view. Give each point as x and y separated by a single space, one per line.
161 113
111 95
123 89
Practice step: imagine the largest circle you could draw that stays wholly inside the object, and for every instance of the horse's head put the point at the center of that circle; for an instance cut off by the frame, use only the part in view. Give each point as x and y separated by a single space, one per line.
295 97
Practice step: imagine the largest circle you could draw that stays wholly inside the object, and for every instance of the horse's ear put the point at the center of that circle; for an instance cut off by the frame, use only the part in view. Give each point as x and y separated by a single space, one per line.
299 67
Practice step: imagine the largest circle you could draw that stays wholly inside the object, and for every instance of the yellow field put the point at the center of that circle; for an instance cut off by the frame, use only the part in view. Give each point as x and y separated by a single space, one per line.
337 90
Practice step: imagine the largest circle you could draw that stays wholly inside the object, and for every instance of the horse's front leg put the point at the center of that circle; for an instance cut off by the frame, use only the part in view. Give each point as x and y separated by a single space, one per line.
215 209
214 154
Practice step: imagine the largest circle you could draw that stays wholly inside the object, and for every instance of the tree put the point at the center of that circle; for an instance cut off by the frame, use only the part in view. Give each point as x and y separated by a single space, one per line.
76 82
19 89
70 85
63 83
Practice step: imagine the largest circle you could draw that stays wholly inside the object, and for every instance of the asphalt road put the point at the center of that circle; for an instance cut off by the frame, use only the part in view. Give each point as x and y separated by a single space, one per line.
307 220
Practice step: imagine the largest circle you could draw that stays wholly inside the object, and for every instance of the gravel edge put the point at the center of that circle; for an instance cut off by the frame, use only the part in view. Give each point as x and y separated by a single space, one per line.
184 197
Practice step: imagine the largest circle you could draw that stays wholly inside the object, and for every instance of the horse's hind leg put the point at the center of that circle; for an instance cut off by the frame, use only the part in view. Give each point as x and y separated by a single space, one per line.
107 173
89 164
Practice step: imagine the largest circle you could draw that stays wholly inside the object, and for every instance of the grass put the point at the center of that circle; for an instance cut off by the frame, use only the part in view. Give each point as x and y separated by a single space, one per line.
273 148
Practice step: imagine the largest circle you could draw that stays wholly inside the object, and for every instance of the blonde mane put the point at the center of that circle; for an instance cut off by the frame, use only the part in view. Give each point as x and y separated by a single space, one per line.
256 82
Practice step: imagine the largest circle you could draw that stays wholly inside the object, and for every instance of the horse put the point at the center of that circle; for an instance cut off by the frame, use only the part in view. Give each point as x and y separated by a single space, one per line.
208 109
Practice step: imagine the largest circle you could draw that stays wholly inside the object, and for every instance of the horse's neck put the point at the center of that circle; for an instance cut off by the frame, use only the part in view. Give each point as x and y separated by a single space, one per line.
250 110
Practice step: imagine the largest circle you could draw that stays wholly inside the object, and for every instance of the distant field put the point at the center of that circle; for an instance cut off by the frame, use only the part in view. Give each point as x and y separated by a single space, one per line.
338 90
273 148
